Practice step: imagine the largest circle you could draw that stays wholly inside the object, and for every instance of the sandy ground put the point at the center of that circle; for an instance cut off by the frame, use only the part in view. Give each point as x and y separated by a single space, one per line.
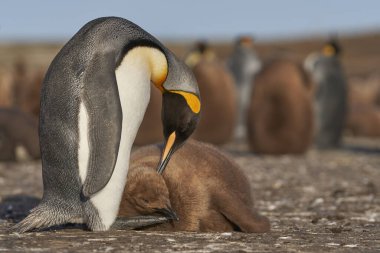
324 201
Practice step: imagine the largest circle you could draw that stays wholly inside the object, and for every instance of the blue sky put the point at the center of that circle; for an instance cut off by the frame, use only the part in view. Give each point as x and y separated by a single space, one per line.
177 19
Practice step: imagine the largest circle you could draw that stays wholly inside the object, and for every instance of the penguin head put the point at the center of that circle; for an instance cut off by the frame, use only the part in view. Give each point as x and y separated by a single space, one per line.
201 46
201 51
245 41
146 193
181 107
181 100
331 48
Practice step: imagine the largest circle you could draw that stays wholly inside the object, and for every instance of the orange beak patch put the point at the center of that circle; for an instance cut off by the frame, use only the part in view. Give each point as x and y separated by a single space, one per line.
167 152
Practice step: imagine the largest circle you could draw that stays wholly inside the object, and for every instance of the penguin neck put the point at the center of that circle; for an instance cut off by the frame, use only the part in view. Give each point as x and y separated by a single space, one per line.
139 67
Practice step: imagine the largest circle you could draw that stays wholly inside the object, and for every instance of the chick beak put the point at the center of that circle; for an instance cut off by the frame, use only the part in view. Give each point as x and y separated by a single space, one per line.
166 153
168 213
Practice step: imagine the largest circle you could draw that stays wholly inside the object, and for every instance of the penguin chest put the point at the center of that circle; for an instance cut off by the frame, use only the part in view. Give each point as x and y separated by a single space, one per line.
133 82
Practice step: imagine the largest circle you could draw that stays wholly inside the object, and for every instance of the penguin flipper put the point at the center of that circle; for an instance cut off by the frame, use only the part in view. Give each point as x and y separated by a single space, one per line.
101 98
123 223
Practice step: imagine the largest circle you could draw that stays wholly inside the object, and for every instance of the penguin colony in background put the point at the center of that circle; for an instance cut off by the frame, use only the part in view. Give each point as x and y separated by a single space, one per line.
93 100
243 64
219 107
331 95
17 129
280 115
201 186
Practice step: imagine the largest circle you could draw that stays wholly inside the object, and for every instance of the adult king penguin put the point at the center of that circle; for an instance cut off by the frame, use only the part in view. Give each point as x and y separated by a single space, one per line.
93 100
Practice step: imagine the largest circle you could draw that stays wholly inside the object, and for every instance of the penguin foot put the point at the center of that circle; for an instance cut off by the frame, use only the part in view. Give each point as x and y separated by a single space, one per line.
41 217
124 223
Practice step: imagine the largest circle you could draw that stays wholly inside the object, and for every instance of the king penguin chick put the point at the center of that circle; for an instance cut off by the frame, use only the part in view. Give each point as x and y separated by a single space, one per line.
201 186
18 129
244 65
331 94
6 98
27 96
280 116
364 121
216 84
93 99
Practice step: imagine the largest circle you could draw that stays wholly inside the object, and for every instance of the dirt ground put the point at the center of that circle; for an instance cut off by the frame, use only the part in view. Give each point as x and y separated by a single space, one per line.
324 201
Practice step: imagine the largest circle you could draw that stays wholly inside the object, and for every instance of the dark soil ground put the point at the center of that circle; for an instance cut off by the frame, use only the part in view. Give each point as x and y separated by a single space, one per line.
324 201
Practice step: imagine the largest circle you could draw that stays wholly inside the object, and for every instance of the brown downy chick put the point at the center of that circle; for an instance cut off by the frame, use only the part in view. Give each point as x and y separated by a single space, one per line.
203 186
219 103
149 197
280 115
219 98
18 128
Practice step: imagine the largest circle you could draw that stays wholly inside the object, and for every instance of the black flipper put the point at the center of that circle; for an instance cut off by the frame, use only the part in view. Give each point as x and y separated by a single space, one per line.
101 98
123 223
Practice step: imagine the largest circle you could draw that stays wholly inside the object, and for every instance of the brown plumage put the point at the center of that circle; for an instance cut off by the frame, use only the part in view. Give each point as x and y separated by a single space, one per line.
280 116
364 121
18 129
26 88
30 96
363 118
20 81
203 186
6 98
150 130
219 104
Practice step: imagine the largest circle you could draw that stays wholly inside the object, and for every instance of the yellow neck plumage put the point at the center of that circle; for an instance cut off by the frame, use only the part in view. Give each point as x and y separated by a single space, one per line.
158 66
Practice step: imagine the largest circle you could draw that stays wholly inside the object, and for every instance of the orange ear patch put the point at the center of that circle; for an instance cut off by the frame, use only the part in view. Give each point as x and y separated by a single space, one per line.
192 100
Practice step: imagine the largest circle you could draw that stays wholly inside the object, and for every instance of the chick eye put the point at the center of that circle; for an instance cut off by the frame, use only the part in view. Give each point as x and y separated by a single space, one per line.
145 201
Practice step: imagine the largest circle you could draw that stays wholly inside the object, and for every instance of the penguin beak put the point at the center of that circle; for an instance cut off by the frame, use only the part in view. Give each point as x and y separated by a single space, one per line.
168 213
167 153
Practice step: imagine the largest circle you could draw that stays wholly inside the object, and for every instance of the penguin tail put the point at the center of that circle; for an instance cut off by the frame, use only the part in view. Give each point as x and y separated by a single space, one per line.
40 217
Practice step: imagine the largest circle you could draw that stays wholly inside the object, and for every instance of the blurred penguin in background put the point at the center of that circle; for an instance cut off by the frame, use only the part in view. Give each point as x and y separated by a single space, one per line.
201 51
29 95
6 98
218 94
363 117
26 87
19 81
18 135
331 94
280 115
244 64
364 122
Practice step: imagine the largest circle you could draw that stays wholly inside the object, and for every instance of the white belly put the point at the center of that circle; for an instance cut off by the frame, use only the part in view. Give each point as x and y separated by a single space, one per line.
133 79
